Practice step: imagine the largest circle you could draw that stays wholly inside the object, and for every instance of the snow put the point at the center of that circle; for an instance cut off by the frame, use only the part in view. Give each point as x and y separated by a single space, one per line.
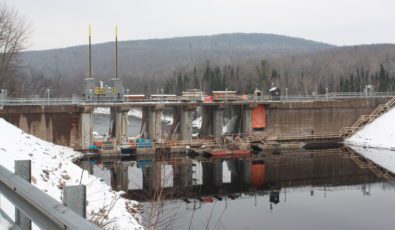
52 168
375 141
378 134
4 224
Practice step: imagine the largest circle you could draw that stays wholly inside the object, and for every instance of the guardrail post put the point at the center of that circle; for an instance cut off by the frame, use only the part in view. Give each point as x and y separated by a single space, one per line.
74 197
23 170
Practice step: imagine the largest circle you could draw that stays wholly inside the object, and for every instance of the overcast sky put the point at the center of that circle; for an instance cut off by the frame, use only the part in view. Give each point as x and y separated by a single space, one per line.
63 23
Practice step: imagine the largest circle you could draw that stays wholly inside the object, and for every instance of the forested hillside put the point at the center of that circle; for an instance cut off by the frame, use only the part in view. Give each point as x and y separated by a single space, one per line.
239 62
146 64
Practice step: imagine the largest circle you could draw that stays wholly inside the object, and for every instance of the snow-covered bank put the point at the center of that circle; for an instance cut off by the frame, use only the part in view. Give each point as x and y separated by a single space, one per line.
52 168
378 134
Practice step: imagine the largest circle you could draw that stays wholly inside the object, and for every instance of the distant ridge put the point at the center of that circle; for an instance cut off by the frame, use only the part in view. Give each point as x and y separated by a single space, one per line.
158 57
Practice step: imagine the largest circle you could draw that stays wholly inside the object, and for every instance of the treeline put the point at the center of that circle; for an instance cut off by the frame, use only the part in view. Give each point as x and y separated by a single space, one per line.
342 71
209 77
263 76
214 77
382 81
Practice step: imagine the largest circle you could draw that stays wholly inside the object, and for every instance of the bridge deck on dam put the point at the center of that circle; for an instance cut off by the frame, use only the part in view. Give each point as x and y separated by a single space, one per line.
180 101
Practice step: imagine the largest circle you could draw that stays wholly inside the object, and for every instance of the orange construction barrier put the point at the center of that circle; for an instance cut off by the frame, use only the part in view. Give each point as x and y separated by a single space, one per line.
258 117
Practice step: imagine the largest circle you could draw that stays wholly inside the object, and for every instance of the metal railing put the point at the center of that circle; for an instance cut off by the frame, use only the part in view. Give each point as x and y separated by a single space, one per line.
37 206
323 97
41 101
4 101
366 119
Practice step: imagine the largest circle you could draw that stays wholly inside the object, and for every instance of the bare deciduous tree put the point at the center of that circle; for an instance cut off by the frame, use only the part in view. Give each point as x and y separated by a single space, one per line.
13 35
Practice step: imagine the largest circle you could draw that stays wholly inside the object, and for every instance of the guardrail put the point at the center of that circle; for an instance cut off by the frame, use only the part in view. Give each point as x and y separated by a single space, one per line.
4 101
37 206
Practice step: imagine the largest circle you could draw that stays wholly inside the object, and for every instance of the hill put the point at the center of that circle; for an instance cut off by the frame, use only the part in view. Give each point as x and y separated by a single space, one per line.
222 61
161 57
333 68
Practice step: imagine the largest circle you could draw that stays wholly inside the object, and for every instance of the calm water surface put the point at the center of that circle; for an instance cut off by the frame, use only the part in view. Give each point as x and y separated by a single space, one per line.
294 190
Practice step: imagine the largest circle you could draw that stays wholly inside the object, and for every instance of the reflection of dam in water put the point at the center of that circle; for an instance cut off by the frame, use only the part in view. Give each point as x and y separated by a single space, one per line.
183 178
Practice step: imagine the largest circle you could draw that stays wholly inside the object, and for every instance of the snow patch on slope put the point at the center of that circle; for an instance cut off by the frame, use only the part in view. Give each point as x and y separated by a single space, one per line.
378 134
52 168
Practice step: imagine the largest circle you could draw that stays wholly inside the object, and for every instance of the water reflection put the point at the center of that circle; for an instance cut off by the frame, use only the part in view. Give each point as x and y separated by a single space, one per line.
272 191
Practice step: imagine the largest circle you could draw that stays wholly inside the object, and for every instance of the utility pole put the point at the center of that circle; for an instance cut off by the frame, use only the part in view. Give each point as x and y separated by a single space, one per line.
116 51
90 52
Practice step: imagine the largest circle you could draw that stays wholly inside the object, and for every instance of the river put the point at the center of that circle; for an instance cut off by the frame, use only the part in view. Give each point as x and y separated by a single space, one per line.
322 189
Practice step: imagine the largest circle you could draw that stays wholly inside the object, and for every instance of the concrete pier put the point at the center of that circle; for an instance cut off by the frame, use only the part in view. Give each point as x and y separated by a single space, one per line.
119 122
207 121
186 123
246 120
155 122
218 122
144 121
86 130
213 121
235 112
175 128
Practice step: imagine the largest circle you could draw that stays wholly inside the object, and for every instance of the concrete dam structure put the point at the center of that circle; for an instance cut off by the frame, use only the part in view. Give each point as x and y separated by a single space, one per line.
71 124
293 118
66 125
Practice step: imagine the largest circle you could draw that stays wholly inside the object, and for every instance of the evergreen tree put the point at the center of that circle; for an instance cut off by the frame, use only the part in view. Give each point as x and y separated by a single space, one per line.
263 81
352 84
196 84
382 80
341 84
179 84
207 78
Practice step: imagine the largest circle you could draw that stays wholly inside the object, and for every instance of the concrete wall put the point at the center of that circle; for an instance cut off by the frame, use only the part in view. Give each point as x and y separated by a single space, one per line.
58 124
316 117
